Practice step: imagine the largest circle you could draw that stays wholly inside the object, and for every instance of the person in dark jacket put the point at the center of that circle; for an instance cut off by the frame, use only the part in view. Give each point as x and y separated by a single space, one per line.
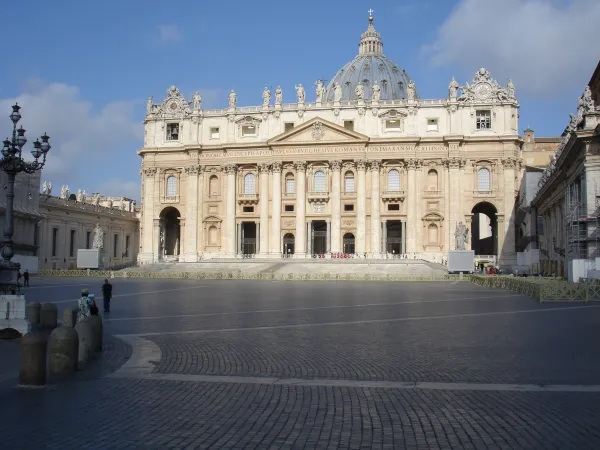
107 294
26 278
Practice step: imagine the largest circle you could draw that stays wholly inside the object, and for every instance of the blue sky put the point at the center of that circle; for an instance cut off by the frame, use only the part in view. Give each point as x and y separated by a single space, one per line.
83 70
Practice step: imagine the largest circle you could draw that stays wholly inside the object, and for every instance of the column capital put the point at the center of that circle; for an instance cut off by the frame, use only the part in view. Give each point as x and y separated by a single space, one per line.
300 166
375 165
509 163
336 165
229 168
276 166
361 164
150 171
193 169
264 167
453 163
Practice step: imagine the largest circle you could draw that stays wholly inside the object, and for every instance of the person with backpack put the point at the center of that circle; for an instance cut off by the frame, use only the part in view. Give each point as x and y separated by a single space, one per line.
107 294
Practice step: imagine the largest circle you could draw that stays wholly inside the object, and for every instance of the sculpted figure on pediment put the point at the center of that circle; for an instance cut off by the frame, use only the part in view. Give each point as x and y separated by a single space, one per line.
337 92
278 95
510 90
453 88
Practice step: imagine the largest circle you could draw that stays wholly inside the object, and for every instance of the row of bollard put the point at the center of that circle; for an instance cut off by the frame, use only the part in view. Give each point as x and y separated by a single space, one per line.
70 346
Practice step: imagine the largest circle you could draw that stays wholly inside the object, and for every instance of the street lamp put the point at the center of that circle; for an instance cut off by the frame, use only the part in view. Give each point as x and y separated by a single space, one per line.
13 163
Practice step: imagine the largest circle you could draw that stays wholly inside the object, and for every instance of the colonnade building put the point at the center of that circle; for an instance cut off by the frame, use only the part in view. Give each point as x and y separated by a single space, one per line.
365 167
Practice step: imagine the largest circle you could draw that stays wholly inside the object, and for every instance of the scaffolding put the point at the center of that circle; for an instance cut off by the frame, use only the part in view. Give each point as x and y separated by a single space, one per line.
582 230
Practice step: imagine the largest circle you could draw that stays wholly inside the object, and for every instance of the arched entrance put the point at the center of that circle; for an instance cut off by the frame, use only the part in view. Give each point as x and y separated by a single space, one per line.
484 229
349 243
289 242
170 233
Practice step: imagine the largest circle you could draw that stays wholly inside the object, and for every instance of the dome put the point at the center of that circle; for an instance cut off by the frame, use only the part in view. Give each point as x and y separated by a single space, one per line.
368 67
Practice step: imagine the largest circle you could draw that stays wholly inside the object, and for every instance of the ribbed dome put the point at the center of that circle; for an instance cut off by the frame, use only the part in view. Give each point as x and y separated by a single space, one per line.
370 66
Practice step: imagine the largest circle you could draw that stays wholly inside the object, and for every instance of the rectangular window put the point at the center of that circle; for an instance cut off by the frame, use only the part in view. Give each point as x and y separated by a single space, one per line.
172 132
432 125
289 208
127 239
288 126
54 239
248 130
484 120
72 244
248 209
349 184
289 186
392 125
171 186
393 207
349 125
348 207
214 133
115 245
88 238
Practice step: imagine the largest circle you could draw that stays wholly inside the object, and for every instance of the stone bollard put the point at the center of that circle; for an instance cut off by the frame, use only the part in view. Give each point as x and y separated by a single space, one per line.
33 360
86 340
48 315
69 317
64 350
33 313
98 330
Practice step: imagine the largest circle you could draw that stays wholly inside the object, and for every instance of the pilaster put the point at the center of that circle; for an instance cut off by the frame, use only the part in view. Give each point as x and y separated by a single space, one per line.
230 170
276 209
300 240
361 207
190 253
375 214
336 239
264 169
147 254
411 216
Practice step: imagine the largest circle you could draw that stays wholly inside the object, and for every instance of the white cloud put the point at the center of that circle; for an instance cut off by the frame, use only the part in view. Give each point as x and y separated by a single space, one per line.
544 45
169 33
86 144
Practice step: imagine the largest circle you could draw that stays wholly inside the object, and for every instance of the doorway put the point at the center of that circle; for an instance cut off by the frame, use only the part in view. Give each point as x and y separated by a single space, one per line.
349 242
319 237
394 237
169 244
288 244
484 229
248 235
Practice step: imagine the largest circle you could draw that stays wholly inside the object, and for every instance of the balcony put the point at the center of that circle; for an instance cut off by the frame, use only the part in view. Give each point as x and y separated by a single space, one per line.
432 193
320 197
393 196
484 194
346 195
247 199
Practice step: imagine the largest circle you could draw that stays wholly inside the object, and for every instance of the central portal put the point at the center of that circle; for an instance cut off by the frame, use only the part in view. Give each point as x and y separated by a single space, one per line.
394 237
319 237
248 238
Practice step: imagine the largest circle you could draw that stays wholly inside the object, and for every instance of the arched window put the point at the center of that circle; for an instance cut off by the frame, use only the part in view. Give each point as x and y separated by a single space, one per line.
483 180
319 181
290 187
349 182
249 184
393 182
432 234
171 186
212 235
432 180
213 185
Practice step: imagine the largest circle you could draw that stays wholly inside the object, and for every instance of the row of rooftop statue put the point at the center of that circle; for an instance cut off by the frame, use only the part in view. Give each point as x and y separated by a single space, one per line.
82 197
492 91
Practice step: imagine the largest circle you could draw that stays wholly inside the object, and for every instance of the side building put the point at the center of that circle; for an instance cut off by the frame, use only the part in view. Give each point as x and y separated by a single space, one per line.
69 225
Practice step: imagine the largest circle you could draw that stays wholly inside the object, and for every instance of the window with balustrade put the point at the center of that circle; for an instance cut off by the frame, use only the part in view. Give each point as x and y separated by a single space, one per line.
349 182
319 184
249 184
483 180
393 181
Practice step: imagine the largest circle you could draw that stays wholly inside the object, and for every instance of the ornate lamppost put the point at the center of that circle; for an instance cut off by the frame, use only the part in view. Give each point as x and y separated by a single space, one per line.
12 163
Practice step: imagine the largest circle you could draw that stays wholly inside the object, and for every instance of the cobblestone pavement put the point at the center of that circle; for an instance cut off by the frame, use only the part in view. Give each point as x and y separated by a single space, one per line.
250 364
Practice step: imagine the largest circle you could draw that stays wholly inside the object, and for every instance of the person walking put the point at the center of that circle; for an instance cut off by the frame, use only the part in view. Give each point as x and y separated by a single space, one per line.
26 278
107 294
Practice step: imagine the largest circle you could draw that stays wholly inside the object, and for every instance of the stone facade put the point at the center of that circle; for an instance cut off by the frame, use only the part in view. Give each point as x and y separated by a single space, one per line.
365 170
68 226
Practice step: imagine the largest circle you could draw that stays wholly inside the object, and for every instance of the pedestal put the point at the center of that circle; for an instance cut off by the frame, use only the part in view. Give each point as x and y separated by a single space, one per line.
12 313
460 261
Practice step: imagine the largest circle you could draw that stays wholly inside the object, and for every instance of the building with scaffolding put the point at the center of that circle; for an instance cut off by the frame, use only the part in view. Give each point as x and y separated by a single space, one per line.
567 202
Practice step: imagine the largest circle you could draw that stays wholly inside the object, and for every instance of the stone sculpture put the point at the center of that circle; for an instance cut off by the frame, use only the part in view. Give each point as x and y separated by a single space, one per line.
510 90
320 90
461 236
587 102
278 95
49 188
45 188
410 90
337 92
266 95
79 196
149 105
300 93
232 99
197 101
98 238
359 91
376 92
453 88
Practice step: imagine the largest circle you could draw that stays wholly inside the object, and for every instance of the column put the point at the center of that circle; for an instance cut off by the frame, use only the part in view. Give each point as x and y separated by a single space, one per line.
230 170
375 218
328 247
411 213
190 252
336 222
453 198
148 240
384 242
264 169
507 253
403 245
300 244
361 208
309 239
447 236
239 239
276 210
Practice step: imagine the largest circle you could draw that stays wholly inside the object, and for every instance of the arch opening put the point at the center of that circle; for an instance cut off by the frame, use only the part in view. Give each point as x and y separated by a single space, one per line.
484 229
170 233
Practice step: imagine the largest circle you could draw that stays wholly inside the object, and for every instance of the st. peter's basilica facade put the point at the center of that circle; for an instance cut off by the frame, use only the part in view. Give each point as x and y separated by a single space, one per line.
366 168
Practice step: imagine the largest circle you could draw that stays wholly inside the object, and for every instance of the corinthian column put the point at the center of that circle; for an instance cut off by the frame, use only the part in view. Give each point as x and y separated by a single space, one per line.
336 239
411 216
375 219
300 241
190 253
507 253
230 170
264 208
361 208
276 211
453 198
147 255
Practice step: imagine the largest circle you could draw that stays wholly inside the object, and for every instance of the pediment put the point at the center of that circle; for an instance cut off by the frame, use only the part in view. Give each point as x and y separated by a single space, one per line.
317 131
248 120
212 219
393 113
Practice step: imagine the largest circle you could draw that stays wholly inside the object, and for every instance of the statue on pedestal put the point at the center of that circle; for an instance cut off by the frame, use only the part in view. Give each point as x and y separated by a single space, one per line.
197 101
98 237
320 90
376 92
278 95
79 197
149 105
266 95
45 188
510 90
49 188
300 93
410 90
461 235
232 99
337 92
453 88
359 91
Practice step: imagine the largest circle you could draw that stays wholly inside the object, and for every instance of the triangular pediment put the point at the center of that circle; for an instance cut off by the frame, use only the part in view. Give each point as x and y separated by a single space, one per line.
318 131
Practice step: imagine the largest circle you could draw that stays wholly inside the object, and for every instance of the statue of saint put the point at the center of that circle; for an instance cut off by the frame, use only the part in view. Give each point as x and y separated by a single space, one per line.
461 235
320 90
98 237
149 105
266 95
232 99
79 196
197 101
587 100
109 203
62 192
359 91
45 188
97 200
376 92
49 187
453 88
132 206
510 90
300 93
67 192
278 95
337 92
410 90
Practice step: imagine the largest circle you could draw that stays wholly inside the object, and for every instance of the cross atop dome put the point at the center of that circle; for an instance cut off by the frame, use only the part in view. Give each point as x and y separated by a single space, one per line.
370 41
370 11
